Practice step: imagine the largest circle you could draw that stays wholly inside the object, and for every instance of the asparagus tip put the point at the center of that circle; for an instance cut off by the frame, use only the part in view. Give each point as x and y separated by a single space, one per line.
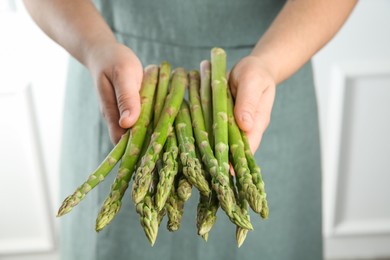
242 220
173 226
241 236
205 236
206 225
264 211
107 213
67 205
138 195
255 200
152 238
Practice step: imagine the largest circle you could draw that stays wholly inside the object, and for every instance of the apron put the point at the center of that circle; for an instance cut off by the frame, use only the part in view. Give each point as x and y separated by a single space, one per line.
183 32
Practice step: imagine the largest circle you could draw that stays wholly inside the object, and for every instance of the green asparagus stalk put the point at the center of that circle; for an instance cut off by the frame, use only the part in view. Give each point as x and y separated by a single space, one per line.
150 218
219 97
256 176
175 209
206 214
192 167
168 172
146 208
206 98
113 202
240 165
162 90
145 145
184 188
142 178
96 177
208 205
241 232
220 178
168 163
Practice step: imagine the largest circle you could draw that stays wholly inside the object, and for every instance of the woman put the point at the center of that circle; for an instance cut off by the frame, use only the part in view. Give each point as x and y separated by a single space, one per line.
267 42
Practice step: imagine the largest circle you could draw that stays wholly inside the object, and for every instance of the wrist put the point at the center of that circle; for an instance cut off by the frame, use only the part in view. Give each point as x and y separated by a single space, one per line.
267 64
97 45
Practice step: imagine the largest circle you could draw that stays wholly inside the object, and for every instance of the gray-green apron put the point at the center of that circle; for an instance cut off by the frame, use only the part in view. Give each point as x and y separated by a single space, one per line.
183 32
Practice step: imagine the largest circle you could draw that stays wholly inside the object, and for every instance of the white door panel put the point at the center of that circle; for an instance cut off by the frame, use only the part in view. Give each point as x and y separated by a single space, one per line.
352 78
25 224
357 209
31 92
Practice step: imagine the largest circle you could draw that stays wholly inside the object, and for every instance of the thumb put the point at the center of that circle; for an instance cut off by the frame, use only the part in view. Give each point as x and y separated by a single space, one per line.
248 94
128 99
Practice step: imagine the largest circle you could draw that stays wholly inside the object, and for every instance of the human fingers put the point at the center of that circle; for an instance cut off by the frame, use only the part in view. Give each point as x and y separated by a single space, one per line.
248 89
262 118
126 81
109 108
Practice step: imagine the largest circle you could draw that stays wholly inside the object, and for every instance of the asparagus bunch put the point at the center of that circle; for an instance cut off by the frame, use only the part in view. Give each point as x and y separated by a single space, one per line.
208 205
143 176
169 167
113 202
240 164
192 167
176 145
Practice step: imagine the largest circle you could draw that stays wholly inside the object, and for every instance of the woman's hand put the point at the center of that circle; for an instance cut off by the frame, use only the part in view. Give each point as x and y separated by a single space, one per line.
117 73
253 87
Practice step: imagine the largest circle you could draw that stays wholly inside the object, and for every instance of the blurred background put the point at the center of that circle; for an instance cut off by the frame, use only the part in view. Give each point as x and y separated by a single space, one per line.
352 75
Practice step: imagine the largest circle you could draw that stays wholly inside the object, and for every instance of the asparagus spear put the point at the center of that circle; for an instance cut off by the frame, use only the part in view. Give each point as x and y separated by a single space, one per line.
146 208
208 205
220 178
240 165
206 214
143 176
96 177
175 209
168 169
206 98
168 172
113 202
192 168
221 148
241 232
149 217
219 96
256 176
162 90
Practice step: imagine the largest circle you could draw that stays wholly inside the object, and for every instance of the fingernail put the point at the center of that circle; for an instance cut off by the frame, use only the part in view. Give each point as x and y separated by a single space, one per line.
125 114
247 119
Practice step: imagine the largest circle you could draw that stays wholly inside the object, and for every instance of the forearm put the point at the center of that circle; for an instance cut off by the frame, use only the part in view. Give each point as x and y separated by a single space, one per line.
298 32
76 25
